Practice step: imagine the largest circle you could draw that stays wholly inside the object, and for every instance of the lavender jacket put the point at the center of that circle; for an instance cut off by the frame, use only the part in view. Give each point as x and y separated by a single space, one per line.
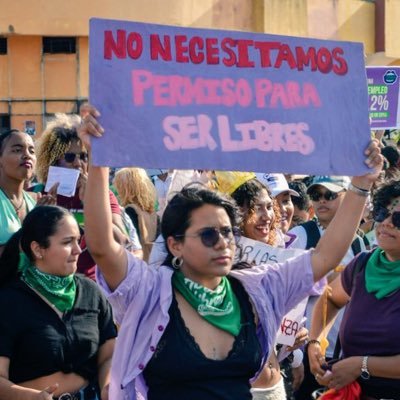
142 300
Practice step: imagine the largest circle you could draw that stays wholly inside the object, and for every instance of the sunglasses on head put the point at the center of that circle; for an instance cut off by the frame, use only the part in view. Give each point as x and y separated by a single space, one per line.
328 195
210 236
381 213
70 157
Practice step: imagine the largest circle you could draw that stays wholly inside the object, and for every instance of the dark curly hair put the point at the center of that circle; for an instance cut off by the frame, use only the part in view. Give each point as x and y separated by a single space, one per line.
245 196
391 154
385 194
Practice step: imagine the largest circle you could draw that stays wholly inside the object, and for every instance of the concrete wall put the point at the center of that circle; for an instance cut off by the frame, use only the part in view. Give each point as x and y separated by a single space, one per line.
392 28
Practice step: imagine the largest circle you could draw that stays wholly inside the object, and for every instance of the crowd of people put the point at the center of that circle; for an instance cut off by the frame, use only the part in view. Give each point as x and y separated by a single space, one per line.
134 287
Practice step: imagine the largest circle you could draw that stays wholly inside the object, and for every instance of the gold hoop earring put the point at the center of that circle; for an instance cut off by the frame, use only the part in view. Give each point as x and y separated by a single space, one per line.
177 262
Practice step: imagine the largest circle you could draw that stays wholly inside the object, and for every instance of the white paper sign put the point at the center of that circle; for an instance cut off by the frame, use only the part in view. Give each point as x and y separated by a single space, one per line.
67 177
291 323
256 253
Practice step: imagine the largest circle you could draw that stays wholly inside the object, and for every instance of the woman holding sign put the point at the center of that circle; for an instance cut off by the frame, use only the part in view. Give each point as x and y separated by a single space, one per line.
369 330
59 146
193 328
262 222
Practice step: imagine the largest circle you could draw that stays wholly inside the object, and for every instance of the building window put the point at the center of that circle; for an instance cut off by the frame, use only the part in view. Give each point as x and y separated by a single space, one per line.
3 45
57 45
4 123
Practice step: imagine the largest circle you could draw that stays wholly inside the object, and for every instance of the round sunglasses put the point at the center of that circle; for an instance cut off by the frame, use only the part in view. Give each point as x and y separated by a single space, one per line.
379 214
210 236
328 195
70 157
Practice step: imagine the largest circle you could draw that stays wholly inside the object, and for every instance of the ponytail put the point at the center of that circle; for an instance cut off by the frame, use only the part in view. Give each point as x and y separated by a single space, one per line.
39 225
10 258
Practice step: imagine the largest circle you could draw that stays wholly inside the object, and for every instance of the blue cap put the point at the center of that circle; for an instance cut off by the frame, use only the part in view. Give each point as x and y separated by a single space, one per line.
333 183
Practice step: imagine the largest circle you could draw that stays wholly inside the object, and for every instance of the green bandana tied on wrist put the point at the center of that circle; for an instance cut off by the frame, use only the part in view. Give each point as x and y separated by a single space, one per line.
219 307
382 277
58 290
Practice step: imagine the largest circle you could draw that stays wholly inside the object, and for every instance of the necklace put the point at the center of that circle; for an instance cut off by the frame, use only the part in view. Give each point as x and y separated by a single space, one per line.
16 208
319 225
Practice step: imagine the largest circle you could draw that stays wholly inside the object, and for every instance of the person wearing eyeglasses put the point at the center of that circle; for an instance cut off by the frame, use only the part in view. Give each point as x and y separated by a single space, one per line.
326 194
60 146
194 328
370 289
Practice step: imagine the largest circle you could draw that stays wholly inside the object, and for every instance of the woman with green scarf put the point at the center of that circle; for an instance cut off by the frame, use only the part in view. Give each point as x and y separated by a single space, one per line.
56 328
369 333
194 328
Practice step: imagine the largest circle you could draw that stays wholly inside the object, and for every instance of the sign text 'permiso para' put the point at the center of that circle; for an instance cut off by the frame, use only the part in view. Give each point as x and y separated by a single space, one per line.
173 97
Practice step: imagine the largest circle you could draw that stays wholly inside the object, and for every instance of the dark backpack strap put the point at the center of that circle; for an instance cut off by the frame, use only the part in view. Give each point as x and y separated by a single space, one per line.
366 242
356 245
312 232
360 263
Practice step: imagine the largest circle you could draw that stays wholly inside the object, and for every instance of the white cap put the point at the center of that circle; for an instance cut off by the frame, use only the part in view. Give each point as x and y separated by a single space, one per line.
277 183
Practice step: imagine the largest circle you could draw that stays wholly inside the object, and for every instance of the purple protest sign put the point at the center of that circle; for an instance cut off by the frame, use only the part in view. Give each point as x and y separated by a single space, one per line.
173 97
383 91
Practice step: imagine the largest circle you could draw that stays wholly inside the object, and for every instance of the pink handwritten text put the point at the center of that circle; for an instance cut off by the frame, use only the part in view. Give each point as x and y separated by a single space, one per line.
177 90
194 132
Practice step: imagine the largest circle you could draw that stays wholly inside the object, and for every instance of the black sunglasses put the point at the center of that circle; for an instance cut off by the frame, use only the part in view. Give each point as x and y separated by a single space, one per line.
70 157
381 213
210 236
328 195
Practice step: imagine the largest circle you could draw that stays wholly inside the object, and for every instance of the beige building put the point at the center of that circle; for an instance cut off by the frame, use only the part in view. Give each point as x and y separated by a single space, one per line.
44 43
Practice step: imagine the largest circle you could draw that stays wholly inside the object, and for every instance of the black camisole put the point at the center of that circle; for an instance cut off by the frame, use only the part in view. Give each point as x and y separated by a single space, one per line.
179 370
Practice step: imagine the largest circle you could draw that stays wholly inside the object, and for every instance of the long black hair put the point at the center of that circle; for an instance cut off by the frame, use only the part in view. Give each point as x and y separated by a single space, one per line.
177 214
39 225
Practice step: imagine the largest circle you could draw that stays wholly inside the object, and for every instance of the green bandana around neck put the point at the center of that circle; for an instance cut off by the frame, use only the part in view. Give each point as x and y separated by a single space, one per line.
382 277
219 307
59 291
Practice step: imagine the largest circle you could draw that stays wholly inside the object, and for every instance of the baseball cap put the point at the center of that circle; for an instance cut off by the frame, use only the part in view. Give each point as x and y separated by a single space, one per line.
333 183
155 171
277 183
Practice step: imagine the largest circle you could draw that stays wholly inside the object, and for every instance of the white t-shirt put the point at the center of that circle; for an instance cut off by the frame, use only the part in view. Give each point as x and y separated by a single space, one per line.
162 191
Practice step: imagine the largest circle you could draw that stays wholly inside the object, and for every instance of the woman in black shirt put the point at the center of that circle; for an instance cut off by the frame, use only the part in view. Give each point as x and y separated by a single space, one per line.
56 329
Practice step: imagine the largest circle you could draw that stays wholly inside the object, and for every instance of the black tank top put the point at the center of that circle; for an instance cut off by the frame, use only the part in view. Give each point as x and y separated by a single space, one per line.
179 370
